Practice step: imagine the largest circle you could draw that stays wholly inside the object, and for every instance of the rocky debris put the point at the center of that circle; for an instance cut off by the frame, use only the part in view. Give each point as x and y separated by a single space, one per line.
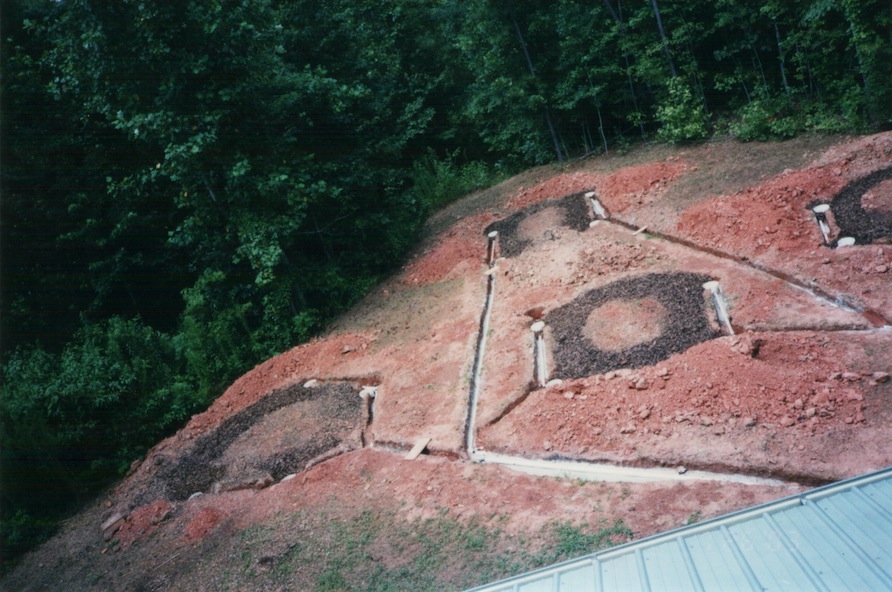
880 377
111 526
746 344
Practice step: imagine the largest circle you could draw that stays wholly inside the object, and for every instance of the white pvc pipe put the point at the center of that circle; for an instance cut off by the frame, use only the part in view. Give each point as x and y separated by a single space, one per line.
718 301
597 208
821 216
590 471
539 353
491 247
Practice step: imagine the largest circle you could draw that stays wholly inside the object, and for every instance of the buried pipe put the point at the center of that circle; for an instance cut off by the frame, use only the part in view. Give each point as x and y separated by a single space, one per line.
718 302
592 471
540 371
597 208
477 370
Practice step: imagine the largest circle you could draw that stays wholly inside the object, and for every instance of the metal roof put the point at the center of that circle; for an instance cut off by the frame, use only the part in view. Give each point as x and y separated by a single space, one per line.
836 537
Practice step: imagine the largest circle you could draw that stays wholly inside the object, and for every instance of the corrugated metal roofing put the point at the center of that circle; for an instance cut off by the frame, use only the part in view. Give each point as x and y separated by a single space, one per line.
836 537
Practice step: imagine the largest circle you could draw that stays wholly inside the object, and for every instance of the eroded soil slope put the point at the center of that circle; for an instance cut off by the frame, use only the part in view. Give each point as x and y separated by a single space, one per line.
295 478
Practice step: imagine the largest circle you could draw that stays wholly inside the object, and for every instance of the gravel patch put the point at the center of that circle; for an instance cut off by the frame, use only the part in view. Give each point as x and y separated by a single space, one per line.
576 215
866 226
203 465
685 325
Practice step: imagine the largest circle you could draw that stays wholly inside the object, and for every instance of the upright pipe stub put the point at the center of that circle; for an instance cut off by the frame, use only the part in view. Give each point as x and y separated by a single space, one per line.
598 210
718 302
820 212
491 247
540 373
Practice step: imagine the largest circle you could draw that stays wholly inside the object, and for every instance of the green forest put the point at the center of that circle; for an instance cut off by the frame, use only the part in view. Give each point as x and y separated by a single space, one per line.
191 187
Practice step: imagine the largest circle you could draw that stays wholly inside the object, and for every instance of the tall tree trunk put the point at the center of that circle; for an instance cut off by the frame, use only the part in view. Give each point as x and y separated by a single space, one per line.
780 57
526 53
618 17
665 41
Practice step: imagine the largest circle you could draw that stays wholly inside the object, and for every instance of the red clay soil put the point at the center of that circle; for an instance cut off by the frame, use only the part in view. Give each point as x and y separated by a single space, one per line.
801 393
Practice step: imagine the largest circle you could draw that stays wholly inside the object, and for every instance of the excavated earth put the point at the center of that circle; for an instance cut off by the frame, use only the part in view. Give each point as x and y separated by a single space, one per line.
641 372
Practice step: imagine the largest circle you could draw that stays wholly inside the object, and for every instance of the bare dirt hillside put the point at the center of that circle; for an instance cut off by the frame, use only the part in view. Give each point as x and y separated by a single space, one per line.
433 440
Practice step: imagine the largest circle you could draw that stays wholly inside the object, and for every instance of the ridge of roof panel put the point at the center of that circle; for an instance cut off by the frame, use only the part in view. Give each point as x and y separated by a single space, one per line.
835 537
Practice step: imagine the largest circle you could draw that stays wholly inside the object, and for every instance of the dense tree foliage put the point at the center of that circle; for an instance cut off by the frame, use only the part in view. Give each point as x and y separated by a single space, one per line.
189 187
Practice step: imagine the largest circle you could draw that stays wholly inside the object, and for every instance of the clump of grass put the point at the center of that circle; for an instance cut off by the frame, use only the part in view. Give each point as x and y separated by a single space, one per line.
380 552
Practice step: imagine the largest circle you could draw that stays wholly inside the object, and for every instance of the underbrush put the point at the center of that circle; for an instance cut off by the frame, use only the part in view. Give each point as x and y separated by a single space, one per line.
438 182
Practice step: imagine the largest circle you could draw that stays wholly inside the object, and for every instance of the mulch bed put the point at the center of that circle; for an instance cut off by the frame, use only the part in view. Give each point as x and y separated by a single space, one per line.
687 324
866 226
576 211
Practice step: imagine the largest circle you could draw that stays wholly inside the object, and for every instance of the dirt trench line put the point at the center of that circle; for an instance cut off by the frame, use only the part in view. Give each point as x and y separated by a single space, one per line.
559 468
873 318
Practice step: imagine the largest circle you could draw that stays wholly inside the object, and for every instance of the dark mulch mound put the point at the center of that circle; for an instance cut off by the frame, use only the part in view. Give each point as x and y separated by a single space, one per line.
687 324
577 214
199 468
866 226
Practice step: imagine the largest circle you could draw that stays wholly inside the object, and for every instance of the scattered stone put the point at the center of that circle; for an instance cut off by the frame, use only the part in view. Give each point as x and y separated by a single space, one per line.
851 376
748 422
197 494
643 413
682 469
663 373
347 349
787 421
798 404
629 429
569 396
111 526
880 377
849 420
810 412
554 383
852 395
641 384
288 477
311 383
546 445
859 418
719 430
609 375
822 399
705 421
881 268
